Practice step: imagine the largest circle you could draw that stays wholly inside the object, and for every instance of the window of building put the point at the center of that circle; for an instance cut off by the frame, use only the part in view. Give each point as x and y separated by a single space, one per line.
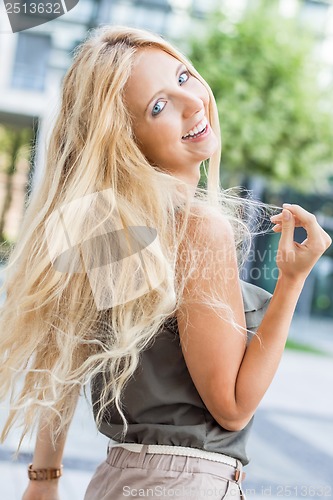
31 61
314 13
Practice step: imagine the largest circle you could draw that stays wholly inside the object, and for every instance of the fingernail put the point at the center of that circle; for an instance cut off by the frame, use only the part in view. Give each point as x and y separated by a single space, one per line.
286 214
286 205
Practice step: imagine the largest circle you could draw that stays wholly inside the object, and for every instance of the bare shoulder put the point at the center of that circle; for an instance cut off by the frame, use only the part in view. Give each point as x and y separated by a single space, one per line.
209 250
208 225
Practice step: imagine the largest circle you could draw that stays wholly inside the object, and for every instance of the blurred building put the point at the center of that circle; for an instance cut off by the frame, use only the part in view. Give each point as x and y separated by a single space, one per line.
32 65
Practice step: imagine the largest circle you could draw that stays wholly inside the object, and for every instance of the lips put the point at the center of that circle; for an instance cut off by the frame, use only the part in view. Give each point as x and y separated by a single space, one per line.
197 130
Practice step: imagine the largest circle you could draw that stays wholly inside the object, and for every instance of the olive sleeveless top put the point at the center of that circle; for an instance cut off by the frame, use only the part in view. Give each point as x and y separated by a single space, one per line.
160 401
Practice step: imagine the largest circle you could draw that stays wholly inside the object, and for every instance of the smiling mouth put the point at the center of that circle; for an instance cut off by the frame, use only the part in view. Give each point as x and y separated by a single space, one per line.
197 130
195 136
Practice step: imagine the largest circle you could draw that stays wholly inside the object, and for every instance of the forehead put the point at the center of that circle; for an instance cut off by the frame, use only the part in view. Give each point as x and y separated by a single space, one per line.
148 57
152 71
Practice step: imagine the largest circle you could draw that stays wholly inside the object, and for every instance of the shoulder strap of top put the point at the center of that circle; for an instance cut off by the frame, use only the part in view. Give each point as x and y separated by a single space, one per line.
256 301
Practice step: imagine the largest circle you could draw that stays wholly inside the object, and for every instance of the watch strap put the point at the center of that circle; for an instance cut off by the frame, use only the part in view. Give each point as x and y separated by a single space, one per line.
44 474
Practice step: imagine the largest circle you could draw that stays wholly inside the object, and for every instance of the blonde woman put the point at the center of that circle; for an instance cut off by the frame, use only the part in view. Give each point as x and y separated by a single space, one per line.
126 275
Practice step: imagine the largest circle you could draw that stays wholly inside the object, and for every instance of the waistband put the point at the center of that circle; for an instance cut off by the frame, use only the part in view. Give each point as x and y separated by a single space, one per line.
236 474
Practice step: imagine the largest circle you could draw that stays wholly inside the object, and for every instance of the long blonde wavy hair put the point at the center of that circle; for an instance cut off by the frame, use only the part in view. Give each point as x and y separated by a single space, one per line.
69 316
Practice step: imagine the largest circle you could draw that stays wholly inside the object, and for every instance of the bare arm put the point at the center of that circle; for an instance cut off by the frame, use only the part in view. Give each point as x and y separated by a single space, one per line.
230 378
263 355
46 456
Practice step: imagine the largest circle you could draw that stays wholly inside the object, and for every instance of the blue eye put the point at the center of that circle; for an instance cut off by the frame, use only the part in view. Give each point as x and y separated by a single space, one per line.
184 73
157 109
157 106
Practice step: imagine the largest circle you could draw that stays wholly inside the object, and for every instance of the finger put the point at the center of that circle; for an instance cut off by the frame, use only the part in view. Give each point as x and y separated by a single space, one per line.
288 227
318 239
278 228
307 220
277 219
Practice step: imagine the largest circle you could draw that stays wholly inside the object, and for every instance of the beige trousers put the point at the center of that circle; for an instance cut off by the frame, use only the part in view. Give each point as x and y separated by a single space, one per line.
132 475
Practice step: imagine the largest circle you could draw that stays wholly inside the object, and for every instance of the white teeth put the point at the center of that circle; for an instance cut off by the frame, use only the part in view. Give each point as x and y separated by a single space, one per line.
197 129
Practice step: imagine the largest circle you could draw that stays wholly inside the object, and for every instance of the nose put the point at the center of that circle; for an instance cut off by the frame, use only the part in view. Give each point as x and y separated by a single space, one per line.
192 104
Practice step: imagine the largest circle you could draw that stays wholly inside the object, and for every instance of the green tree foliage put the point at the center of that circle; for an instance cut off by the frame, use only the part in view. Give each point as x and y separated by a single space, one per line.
275 119
14 145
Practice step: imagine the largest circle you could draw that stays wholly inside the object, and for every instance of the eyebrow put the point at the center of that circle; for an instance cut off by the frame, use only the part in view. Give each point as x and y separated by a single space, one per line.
160 91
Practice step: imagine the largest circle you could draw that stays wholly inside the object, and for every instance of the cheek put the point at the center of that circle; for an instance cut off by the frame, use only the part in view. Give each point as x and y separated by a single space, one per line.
143 139
149 142
159 146
160 134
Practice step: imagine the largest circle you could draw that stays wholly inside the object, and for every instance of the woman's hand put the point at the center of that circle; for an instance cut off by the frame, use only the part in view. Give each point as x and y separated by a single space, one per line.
42 490
295 260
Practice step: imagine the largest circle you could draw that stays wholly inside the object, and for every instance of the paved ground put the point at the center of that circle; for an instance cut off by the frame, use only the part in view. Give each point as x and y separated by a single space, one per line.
291 446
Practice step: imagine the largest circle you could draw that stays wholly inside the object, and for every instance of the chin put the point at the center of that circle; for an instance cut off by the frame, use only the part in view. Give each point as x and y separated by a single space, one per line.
211 151
209 155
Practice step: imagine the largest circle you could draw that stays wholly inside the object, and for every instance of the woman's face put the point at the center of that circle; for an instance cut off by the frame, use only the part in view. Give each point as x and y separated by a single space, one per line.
170 110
